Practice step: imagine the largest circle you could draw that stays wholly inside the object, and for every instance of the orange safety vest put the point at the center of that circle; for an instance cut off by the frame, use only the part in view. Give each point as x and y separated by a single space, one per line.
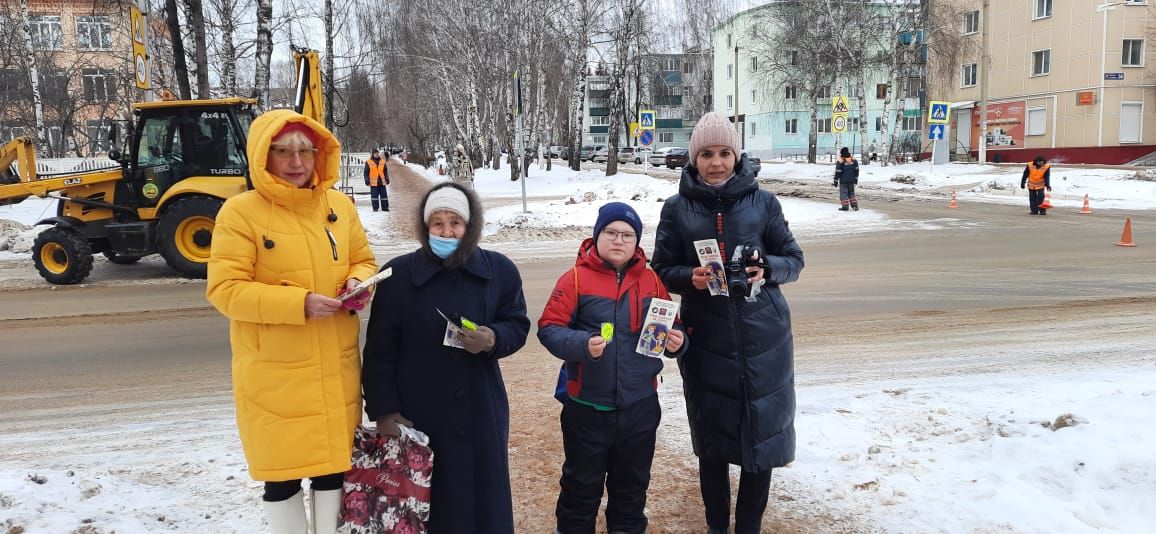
1036 176
376 172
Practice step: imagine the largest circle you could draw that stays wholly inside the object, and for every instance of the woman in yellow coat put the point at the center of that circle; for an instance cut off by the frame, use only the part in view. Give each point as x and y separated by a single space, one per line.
281 253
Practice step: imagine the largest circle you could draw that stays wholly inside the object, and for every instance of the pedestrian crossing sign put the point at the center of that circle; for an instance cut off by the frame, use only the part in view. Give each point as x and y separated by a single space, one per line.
839 104
646 119
938 112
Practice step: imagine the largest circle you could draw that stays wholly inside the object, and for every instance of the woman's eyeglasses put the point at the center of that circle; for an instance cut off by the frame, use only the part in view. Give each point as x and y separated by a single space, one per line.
287 153
627 237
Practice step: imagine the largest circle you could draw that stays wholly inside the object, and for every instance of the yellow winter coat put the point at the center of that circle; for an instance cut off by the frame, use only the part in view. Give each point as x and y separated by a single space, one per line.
296 382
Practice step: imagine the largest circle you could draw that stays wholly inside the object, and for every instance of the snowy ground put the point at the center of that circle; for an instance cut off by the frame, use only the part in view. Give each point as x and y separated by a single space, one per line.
979 453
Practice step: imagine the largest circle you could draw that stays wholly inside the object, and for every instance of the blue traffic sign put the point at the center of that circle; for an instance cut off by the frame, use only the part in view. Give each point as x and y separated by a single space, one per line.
935 132
646 138
938 113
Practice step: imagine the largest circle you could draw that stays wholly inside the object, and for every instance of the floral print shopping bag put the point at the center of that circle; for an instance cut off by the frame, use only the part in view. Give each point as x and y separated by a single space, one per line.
388 489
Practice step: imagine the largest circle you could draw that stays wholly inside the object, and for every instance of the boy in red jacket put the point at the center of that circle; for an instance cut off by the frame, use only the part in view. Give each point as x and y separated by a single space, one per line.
610 413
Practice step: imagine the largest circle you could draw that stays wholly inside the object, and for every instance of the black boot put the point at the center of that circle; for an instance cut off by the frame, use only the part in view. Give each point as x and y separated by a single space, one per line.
855 207
1043 212
844 208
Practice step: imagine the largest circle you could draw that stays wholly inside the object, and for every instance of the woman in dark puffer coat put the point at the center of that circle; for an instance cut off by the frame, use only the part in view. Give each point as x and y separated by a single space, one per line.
738 375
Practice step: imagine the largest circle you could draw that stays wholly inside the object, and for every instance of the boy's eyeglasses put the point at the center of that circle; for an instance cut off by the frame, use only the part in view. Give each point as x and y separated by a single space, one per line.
287 153
627 237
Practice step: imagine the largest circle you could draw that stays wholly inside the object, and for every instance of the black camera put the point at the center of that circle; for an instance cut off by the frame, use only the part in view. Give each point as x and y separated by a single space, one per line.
738 279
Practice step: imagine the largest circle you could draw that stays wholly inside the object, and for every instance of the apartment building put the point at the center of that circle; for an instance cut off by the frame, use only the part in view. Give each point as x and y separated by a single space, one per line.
1072 80
763 86
81 50
666 85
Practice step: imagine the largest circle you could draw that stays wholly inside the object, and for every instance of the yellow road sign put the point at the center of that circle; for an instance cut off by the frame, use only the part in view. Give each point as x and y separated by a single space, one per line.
139 53
938 112
634 130
839 123
839 104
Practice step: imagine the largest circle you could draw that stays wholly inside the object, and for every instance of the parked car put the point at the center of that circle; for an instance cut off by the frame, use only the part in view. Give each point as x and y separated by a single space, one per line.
555 151
676 158
601 154
641 155
658 157
564 153
587 153
626 154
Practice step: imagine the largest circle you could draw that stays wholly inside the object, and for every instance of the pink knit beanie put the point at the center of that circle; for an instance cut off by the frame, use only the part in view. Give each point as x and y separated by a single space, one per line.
713 129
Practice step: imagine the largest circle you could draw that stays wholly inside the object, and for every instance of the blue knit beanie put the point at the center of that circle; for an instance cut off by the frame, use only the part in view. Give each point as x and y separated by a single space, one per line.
617 211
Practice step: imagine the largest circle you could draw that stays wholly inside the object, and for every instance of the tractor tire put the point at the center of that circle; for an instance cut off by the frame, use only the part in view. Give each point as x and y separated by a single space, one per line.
185 234
62 256
121 259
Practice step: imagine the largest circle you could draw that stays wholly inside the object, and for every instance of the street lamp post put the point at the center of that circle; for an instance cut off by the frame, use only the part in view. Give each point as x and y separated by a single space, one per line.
1103 8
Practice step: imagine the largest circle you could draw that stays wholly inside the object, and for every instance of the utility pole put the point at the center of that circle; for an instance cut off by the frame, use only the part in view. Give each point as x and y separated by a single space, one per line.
983 76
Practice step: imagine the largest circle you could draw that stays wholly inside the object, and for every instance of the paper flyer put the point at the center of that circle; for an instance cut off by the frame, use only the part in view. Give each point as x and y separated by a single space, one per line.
658 324
710 256
372 281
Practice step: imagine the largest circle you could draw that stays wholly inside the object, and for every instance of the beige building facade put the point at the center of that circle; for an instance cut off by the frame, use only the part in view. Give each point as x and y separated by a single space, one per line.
1073 80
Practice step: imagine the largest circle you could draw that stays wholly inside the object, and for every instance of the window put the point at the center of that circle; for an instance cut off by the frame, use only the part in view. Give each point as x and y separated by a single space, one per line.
598 139
729 102
823 92
603 120
1037 121
792 92
1043 8
969 75
93 33
971 22
754 129
687 67
913 123
97 132
854 91
1041 62
914 85
754 95
794 57
99 85
881 91
160 142
754 64
666 137
729 44
823 125
1133 55
878 124
730 71
45 32
792 126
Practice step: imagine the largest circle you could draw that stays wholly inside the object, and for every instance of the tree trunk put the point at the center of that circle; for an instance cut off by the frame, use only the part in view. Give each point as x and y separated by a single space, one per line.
327 83
196 19
264 52
34 81
180 68
228 48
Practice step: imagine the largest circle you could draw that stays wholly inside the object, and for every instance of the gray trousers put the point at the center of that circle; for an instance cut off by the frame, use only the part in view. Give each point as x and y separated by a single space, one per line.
847 195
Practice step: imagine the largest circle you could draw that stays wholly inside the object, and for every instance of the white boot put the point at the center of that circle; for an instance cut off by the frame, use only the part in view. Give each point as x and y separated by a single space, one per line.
288 516
326 506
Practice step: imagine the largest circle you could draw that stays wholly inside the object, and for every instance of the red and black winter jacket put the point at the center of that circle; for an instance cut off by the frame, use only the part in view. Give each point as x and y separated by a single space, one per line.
588 295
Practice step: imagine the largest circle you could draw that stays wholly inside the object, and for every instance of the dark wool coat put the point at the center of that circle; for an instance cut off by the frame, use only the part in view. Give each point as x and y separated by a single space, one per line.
738 375
458 398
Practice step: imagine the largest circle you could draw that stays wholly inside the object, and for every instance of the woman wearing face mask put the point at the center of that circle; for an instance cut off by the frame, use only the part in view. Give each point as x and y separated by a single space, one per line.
738 375
451 389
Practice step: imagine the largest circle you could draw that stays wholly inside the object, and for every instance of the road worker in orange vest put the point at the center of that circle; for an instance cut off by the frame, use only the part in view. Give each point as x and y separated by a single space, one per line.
1037 178
377 178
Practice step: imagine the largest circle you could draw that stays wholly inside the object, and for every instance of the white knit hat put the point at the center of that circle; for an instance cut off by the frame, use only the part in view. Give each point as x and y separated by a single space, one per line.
713 129
447 198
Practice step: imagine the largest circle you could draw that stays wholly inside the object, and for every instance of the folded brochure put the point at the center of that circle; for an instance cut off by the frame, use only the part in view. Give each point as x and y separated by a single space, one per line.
659 322
366 284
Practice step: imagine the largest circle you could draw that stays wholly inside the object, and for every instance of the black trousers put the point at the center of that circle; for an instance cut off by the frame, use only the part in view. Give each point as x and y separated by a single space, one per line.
614 449
379 194
754 488
283 490
1035 198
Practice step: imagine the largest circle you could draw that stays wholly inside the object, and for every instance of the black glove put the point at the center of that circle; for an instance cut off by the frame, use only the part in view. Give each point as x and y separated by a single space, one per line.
367 181
1022 186
480 340
835 183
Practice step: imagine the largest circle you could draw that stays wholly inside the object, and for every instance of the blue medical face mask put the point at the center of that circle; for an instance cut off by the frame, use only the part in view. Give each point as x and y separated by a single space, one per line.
443 246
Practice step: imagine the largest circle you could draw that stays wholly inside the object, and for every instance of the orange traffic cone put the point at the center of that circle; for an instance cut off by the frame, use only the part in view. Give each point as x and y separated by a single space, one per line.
1126 239
953 204
1047 203
1086 209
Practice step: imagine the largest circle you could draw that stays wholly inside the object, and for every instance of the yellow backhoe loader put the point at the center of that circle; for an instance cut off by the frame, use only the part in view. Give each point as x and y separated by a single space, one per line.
182 160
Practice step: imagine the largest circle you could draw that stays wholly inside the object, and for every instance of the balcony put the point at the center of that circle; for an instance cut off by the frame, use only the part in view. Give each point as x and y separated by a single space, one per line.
599 112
